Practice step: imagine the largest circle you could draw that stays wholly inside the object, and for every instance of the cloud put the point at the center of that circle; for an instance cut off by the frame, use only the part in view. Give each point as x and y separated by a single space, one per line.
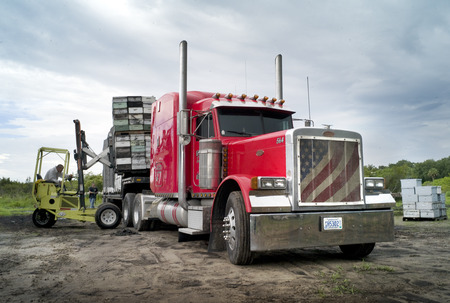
379 68
3 157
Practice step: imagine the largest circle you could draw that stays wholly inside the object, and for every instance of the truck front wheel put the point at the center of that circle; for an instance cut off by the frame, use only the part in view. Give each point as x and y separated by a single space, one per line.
43 218
237 231
357 251
107 216
127 209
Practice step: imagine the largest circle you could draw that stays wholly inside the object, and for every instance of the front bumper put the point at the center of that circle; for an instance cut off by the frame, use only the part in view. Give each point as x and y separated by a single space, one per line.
300 230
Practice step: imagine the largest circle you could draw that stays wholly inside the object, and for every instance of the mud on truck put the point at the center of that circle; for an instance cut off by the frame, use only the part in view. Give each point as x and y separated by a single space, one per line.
234 167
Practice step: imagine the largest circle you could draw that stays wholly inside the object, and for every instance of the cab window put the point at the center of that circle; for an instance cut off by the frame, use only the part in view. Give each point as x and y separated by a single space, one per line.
204 127
239 122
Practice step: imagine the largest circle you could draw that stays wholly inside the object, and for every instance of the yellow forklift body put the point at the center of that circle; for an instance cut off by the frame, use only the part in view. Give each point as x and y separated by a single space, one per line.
55 198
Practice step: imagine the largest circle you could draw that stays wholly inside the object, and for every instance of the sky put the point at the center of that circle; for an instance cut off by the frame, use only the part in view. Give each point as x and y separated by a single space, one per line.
379 68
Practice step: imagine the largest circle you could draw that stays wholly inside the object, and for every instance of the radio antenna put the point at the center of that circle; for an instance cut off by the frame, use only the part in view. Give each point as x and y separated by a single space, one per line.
309 103
245 75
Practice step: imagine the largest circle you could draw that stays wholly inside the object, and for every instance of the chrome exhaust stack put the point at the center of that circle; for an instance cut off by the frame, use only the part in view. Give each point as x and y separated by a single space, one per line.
182 127
279 77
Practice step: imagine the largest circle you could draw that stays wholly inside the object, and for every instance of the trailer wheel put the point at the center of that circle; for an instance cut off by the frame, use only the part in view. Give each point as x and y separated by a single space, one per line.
238 238
43 218
357 251
107 216
138 223
127 209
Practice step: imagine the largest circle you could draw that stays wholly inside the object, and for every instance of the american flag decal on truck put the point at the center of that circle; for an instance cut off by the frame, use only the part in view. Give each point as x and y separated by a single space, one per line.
329 170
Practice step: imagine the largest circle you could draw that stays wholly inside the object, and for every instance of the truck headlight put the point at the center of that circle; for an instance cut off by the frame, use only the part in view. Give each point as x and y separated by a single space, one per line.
268 183
374 183
379 183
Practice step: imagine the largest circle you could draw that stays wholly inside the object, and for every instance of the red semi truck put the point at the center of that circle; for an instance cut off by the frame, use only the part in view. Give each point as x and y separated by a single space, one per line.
234 167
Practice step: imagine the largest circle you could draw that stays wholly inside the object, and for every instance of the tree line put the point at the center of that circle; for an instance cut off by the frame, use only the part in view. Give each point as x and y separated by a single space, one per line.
431 172
9 188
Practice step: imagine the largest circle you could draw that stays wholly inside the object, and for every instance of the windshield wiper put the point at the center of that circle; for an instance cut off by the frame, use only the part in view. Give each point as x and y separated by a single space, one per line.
244 134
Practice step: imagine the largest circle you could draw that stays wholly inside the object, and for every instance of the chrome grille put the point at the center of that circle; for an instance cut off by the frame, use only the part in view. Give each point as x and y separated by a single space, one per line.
329 170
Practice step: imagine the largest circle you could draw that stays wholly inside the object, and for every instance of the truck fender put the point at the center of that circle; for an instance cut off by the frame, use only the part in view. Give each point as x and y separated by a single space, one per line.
228 185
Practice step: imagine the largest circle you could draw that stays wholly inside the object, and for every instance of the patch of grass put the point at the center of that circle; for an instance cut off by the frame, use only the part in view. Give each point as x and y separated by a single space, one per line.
368 267
398 208
385 268
16 205
321 292
337 282
336 276
363 266
344 287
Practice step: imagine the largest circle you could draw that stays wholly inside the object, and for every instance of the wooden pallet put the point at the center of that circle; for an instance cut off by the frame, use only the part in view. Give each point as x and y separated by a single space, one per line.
425 219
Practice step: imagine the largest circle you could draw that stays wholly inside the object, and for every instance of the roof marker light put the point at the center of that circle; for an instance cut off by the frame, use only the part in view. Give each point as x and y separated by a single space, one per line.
255 98
243 96
229 96
263 100
216 96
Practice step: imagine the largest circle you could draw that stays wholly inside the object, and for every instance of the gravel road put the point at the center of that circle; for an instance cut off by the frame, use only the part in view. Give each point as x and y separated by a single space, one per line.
78 262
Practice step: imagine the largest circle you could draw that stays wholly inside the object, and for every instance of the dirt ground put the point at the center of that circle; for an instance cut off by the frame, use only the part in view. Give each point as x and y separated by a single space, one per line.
78 262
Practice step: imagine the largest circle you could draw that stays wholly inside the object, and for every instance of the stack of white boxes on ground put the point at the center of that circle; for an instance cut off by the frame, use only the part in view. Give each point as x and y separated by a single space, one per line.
419 201
131 119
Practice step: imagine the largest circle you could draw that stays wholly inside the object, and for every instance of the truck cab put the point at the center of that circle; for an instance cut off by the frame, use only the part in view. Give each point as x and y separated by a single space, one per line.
225 118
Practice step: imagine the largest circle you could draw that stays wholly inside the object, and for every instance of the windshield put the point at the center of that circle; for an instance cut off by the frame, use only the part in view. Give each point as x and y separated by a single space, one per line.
246 122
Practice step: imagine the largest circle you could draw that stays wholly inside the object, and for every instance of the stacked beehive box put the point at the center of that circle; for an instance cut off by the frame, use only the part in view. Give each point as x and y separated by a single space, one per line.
131 119
132 113
419 201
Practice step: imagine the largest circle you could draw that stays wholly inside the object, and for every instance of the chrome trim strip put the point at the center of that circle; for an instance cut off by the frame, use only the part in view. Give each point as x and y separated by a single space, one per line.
270 203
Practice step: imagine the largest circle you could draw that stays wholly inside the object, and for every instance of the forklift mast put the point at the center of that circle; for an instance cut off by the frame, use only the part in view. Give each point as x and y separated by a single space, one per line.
80 157
83 150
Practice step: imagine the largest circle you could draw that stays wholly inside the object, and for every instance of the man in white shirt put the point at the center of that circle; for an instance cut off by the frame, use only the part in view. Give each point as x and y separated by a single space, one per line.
54 173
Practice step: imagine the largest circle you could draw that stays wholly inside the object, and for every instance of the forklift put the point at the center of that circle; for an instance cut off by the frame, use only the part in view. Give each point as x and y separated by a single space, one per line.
61 199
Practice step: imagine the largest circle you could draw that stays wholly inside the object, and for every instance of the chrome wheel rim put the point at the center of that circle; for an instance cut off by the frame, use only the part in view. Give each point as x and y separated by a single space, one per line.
231 218
108 216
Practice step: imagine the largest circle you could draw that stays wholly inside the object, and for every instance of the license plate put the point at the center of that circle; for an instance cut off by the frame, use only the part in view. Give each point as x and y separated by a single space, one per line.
332 223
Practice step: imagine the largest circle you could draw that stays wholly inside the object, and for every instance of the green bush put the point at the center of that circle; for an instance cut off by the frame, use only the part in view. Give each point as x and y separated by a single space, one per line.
14 188
444 183
15 197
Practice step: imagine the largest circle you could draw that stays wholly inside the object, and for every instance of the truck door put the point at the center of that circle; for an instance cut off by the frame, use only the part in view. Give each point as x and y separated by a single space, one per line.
204 129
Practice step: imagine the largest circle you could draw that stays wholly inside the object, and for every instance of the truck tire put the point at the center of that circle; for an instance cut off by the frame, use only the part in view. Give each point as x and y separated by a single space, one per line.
107 216
138 223
127 209
357 251
43 218
238 242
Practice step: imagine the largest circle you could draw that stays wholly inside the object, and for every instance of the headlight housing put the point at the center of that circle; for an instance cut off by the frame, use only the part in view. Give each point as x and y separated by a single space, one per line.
268 183
374 183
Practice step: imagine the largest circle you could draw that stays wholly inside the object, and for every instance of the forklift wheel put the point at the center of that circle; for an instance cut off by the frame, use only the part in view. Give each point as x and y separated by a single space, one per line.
42 218
108 216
